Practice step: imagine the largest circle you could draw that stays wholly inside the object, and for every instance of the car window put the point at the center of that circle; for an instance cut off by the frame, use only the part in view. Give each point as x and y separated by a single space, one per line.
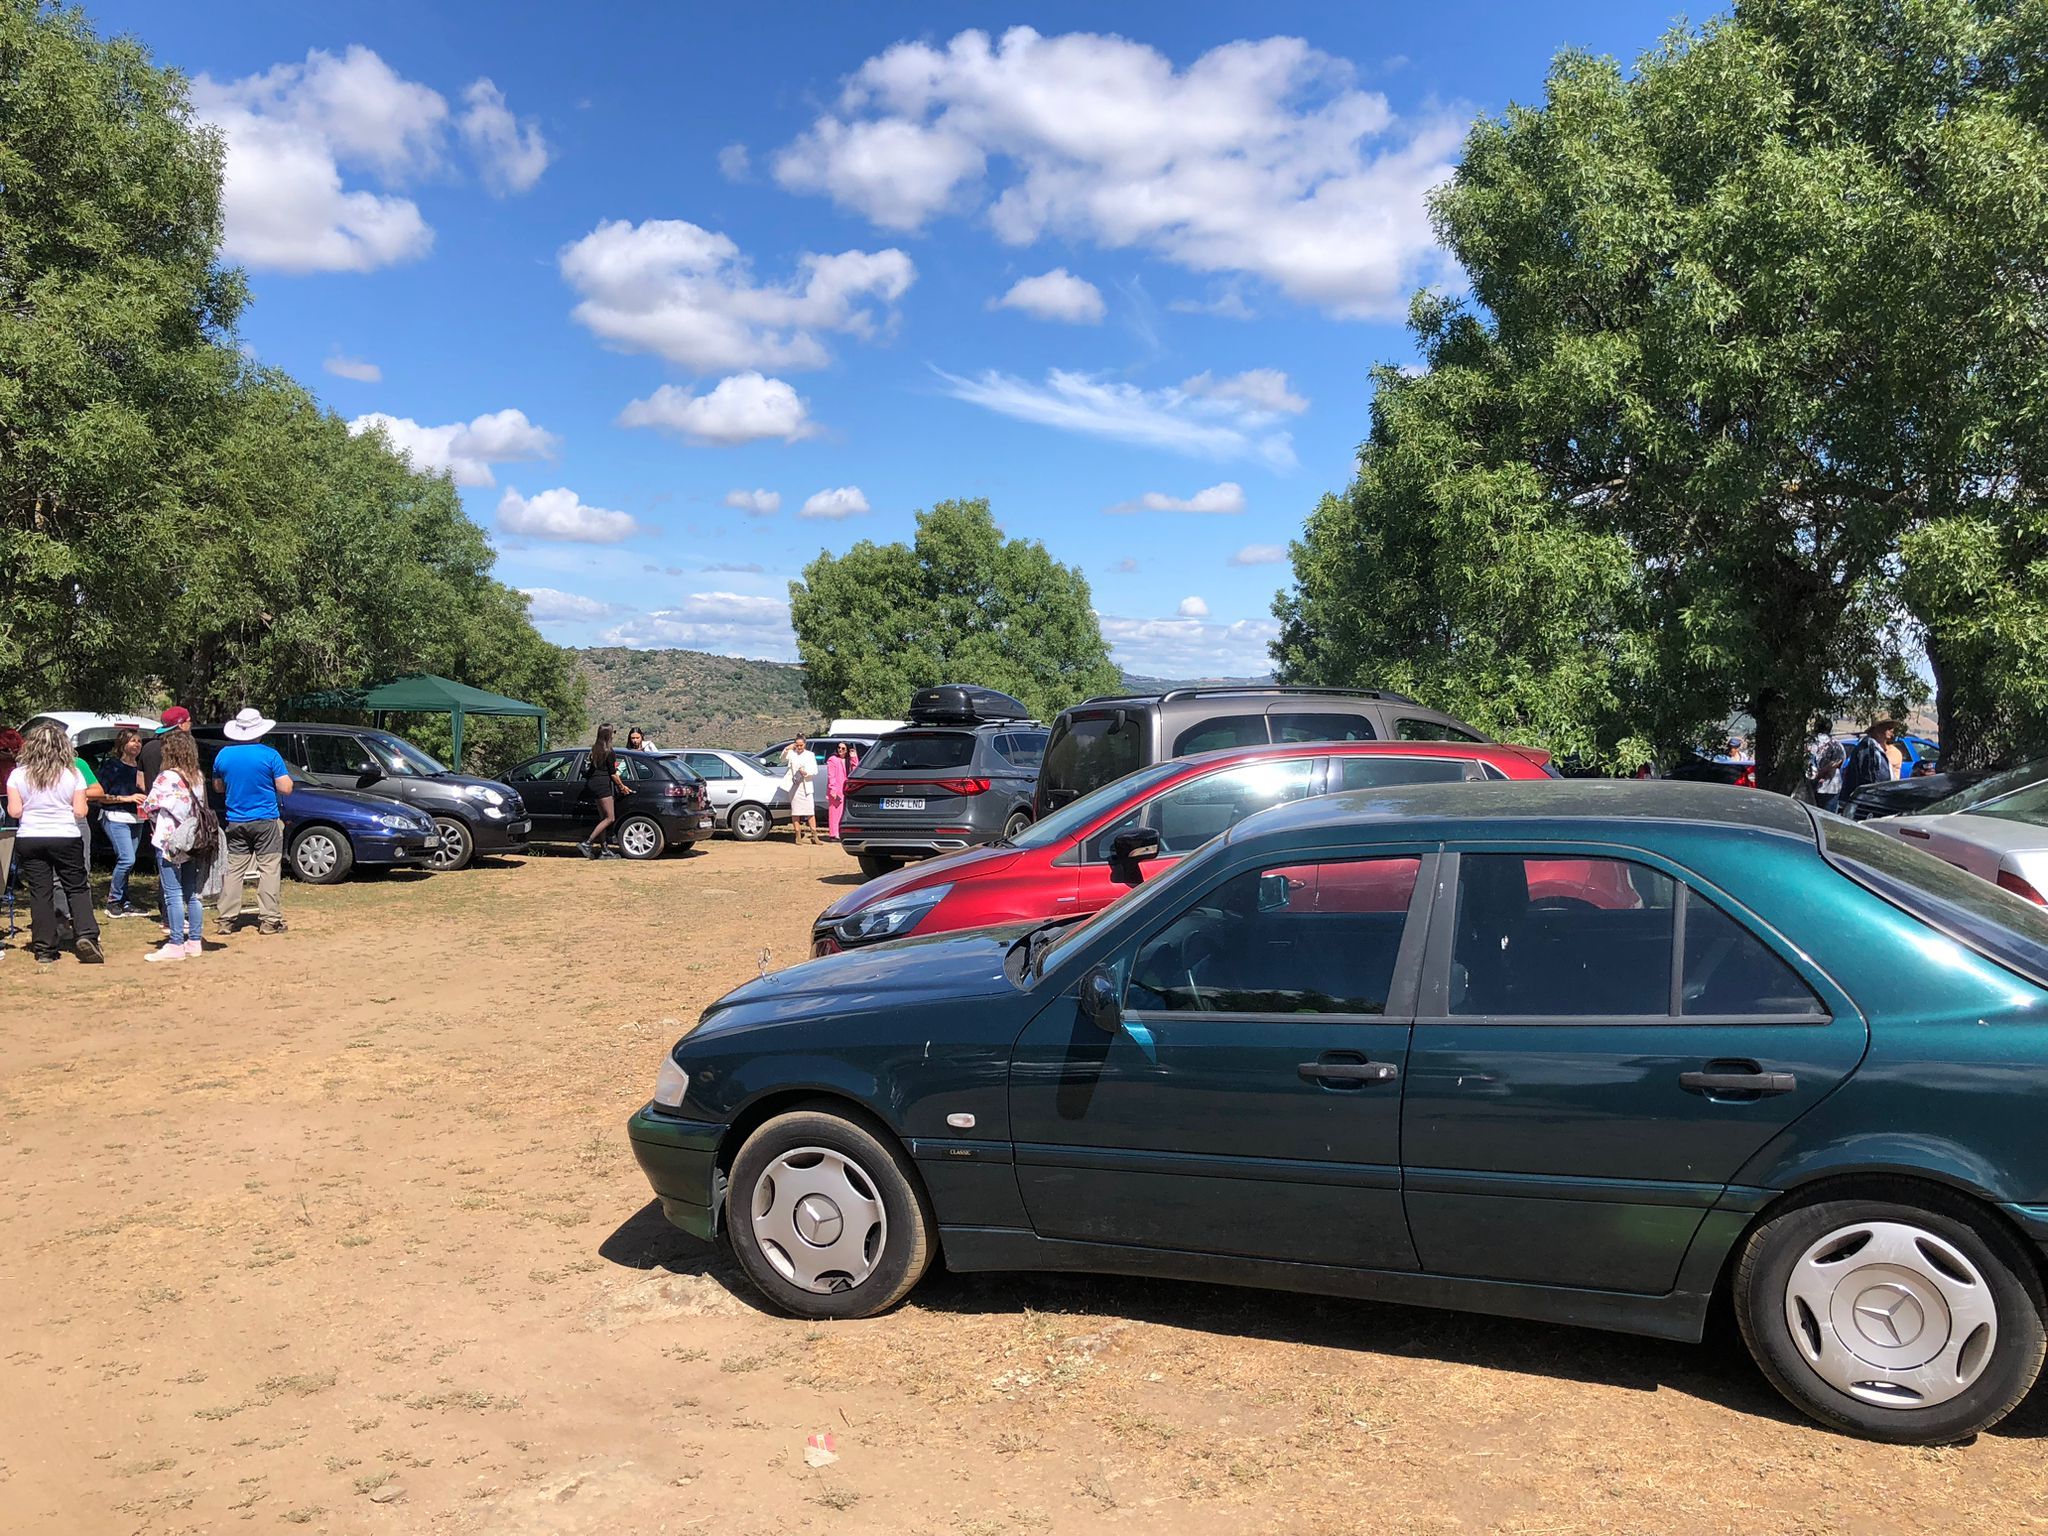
1991 788
1377 772
2029 805
1087 752
908 751
654 770
1409 728
396 755
1305 725
1190 813
710 765
1561 937
340 755
1221 731
1295 938
559 765
1021 749
1729 970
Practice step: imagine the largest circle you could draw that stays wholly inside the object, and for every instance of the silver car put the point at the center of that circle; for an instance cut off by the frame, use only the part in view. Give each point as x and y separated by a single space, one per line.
746 798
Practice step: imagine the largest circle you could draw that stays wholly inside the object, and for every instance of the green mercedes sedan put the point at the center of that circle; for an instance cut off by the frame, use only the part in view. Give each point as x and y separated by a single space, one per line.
1583 1052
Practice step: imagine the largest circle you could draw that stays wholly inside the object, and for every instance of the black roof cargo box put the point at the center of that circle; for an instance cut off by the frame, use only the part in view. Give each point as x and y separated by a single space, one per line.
963 704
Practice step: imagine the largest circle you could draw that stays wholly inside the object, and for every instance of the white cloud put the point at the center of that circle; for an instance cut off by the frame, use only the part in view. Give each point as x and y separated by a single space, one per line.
290 132
745 408
1260 554
466 450
1193 608
687 294
1227 497
1259 389
562 514
546 603
1055 295
732 567
510 153
353 368
847 501
755 503
731 623
1227 305
1188 647
1200 427
1126 567
735 164
1259 158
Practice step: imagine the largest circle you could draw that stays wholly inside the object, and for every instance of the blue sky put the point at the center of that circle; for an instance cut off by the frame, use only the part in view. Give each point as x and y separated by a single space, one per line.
683 296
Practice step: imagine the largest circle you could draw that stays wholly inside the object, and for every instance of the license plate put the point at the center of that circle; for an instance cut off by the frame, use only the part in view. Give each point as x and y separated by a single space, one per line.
705 820
518 827
903 805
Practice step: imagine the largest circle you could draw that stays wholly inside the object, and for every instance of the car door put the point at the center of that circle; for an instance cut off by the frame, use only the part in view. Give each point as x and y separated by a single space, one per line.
1250 1103
1185 815
1602 1042
550 786
338 760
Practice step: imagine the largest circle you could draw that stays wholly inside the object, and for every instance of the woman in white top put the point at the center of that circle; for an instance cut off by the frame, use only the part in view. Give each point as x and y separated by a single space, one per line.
46 795
801 775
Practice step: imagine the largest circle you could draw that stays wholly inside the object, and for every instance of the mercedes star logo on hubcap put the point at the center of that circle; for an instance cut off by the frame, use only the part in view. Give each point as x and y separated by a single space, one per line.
1889 1315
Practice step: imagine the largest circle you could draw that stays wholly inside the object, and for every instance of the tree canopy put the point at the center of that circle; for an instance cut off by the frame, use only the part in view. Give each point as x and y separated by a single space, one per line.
175 520
960 603
1743 412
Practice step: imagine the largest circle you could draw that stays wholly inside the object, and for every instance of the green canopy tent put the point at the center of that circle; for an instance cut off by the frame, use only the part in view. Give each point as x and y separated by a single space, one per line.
424 694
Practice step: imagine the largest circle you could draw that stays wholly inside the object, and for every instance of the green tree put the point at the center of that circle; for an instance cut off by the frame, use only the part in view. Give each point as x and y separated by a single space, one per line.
960 603
1769 312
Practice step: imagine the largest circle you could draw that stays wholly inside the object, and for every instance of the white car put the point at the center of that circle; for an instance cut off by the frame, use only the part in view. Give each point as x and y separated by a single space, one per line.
1996 829
745 797
91 730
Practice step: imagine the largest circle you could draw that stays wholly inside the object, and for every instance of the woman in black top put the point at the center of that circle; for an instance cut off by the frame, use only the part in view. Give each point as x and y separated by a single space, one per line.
122 780
601 779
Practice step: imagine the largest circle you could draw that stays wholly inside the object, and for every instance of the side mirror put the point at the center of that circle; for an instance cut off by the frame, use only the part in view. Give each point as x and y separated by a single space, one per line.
1130 849
368 777
1099 1000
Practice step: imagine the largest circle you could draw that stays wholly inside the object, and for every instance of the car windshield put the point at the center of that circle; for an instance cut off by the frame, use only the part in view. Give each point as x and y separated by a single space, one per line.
1970 910
1079 814
1999 784
399 757
910 751
1157 888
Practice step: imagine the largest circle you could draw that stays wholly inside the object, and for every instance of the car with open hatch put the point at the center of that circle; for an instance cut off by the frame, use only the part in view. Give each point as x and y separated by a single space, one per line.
667 806
1735 1047
1077 860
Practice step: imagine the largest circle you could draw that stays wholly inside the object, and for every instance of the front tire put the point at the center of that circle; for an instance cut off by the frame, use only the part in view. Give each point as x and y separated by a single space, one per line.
457 848
320 856
826 1217
749 822
641 837
1915 1322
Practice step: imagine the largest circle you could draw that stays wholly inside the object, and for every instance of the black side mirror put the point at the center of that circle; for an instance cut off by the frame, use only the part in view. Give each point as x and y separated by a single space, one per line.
1099 999
1130 849
368 777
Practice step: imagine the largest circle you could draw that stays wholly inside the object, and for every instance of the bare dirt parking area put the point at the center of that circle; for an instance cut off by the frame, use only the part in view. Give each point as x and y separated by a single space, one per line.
338 1231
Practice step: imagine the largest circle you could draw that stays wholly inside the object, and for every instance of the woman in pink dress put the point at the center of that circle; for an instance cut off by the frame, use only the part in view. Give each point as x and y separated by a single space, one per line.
838 769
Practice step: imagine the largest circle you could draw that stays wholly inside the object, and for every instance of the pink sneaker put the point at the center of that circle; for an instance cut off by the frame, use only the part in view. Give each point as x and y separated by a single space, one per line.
168 952
194 949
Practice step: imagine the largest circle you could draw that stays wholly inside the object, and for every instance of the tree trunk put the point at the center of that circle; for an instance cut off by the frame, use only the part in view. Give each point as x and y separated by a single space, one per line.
1780 742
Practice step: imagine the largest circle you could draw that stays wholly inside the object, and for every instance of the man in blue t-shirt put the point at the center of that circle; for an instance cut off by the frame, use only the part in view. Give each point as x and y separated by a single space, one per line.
249 777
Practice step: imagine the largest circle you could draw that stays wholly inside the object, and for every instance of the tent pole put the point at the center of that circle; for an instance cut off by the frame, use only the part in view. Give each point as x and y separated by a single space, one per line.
455 716
543 730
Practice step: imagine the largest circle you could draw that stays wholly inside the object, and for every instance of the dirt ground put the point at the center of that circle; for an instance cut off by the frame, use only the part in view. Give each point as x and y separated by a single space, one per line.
339 1231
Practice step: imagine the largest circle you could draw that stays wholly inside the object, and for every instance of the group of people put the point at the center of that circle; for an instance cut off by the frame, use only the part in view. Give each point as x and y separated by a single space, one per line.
151 789
1836 769
800 778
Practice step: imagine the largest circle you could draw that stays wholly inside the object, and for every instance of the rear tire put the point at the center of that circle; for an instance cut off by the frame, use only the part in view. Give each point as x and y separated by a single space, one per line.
1018 821
749 822
874 865
319 856
457 848
862 1188
641 837
1824 1292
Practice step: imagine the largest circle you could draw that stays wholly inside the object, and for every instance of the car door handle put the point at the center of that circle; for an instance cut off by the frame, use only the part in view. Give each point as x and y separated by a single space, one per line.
1754 1081
1349 1071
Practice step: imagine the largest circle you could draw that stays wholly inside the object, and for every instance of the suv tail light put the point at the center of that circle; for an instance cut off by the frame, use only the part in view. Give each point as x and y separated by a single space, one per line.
962 786
2020 887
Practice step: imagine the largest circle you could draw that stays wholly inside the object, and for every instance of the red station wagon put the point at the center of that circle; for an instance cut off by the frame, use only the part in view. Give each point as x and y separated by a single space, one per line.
1065 864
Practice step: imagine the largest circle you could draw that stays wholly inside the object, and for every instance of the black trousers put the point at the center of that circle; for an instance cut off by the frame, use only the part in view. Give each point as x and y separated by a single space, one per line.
50 864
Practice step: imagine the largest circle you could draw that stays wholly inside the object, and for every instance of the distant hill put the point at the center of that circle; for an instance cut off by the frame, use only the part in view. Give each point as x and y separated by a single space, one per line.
696 699
692 697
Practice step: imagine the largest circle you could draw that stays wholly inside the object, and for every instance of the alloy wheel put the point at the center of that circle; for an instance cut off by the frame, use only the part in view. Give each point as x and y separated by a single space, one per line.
640 838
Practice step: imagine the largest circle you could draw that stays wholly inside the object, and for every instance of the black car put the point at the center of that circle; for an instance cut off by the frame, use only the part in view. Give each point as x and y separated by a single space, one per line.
472 815
1102 739
666 809
1907 797
960 775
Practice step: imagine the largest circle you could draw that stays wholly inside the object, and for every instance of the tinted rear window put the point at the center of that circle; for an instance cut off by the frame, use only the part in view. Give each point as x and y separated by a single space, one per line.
1974 912
906 753
1222 731
1090 751
1320 725
1408 728
1022 749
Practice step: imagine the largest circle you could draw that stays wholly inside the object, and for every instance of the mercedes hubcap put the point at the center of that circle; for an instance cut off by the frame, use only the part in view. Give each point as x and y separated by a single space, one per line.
819 1220
1891 1314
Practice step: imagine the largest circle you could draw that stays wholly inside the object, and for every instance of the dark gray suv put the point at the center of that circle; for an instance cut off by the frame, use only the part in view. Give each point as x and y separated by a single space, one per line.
960 775
1102 739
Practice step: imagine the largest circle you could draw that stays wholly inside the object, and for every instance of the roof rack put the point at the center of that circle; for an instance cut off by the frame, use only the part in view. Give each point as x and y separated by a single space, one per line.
1383 695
